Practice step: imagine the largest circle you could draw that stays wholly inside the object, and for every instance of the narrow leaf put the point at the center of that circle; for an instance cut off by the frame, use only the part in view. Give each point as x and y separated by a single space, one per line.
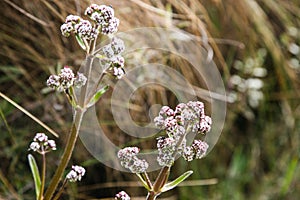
80 42
28 114
289 176
173 184
35 174
97 96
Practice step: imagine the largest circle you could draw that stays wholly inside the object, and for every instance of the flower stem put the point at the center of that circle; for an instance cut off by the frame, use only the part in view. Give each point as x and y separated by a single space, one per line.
159 183
77 119
67 153
43 176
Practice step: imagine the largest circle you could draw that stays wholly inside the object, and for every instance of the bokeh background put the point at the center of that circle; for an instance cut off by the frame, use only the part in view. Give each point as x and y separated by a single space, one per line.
256 45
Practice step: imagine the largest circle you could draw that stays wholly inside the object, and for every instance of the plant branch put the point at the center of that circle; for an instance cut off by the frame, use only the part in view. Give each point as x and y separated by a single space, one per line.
43 176
67 153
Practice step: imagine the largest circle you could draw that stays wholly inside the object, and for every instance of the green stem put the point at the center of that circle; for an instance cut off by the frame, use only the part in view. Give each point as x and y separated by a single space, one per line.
67 153
43 176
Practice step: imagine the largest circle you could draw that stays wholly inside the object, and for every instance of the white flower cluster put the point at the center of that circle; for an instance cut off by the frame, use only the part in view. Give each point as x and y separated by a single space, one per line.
196 151
129 160
113 59
186 117
75 174
166 150
77 25
104 21
66 79
191 113
41 144
104 17
122 196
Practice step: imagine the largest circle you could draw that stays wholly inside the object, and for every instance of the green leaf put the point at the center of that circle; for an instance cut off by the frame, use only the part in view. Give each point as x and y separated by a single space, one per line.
173 184
97 96
289 176
35 174
80 42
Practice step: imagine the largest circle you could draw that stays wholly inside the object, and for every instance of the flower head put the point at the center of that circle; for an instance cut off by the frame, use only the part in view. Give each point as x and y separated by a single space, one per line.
122 196
69 26
189 117
41 144
196 151
129 160
66 79
166 151
104 17
75 174
53 81
80 80
85 30
117 45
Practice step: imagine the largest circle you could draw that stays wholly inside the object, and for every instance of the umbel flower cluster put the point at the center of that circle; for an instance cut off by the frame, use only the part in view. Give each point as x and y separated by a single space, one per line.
112 59
66 79
129 160
104 22
42 144
186 118
75 174
189 117
122 196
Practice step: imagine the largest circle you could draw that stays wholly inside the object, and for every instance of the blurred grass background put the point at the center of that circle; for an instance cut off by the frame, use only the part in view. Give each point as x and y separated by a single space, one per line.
257 156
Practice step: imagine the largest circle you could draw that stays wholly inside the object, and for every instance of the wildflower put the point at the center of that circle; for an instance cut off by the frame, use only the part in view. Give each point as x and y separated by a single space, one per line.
138 165
110 27
205 124
73 19
75 174
34 146
66 79
130 161
77 25
53 81
122 196
40 137
68 27
188 153
200 148
125 155
104 17
41 144
85 30
52 144
80 80
116 66
166 151
119 72
117 45
196 151
118 61
108 51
